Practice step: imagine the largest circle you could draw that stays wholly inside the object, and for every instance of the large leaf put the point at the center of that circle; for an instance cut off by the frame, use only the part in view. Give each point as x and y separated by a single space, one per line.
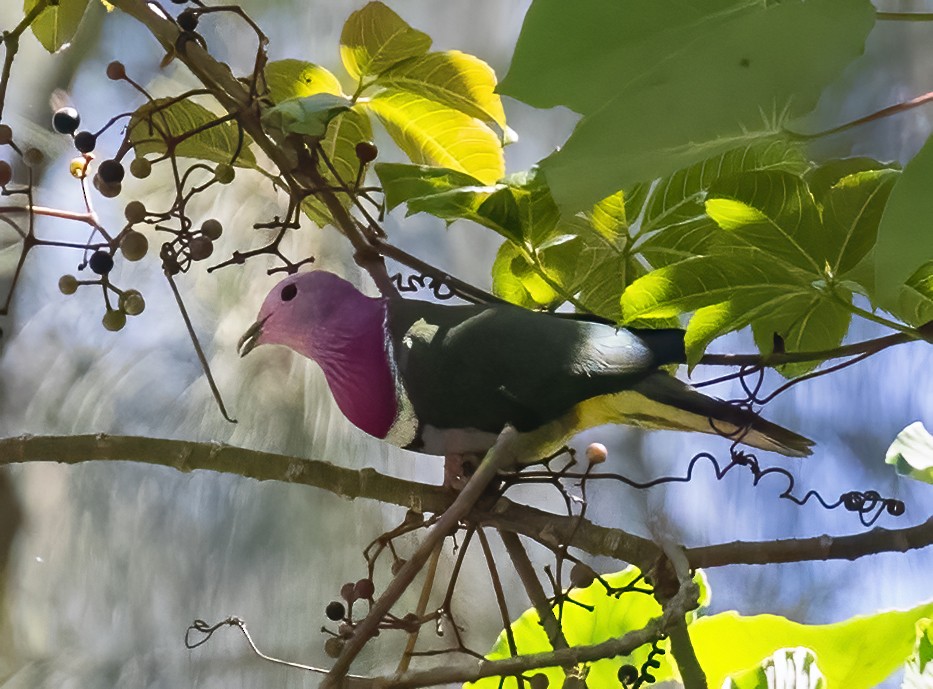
458 80
287 79
915 298
375 38
857 653
665 84
434 134
911 453
344 132
773 211
609 616
852 210
905 237
401 181
156 123
57 24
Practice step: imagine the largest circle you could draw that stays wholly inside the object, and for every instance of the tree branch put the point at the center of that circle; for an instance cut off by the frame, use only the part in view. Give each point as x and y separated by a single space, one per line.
551 530
678 606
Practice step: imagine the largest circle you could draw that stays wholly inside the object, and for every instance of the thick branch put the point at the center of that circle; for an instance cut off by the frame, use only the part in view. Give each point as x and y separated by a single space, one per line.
549 529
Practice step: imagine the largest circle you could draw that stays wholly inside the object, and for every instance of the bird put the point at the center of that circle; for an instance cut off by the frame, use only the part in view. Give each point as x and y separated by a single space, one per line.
447 379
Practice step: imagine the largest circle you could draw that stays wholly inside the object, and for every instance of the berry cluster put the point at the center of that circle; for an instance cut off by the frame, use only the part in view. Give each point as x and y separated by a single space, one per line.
337 611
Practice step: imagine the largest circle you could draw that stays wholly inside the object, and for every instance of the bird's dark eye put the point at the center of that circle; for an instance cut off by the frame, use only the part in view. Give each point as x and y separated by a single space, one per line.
289 292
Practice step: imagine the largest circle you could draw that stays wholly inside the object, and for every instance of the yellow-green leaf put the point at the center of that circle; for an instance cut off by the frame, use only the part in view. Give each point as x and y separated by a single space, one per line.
433 134
857 653
457 80
296 78
376 38
156 125
608 217
57 24
344 132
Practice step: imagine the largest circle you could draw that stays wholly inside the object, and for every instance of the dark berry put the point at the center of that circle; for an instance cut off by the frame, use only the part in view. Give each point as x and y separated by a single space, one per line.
364 588
895 508
33 157
85 141
212 229
335 611
134 245
348 592
114 320
111 172
333 647
101 262
6 173
200 248
188 20
132 302
627 674
68 284
140 168
366 151
6 134
538 681
107 189
66 121
224 173
135 211
116 71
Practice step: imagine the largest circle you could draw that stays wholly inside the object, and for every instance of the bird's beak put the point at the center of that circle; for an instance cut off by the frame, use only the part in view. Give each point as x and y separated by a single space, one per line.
250 338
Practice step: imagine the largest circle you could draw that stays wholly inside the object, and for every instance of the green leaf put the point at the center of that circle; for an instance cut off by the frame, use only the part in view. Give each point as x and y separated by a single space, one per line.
401 182
661 85
515 280
705 280
611 616
156 122
773 211
289 79
911 453
915 298
57 24
918 674
739 288
433 134
852 210
308 115
857 653
786 668
375 38
905 241
608 217
824 176
458 80
344 132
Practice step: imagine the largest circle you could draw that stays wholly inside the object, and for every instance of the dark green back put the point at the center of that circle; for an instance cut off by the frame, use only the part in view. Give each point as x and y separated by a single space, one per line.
487 366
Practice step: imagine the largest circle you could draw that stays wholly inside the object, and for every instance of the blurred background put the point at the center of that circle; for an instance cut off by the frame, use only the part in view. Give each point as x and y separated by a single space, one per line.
104 565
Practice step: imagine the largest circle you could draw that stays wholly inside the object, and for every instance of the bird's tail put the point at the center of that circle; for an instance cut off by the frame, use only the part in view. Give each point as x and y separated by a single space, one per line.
692 410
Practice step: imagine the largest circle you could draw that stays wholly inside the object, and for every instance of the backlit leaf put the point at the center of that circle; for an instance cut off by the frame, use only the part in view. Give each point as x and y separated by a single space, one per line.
155 123
433 134
57 24
288 79
376 38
